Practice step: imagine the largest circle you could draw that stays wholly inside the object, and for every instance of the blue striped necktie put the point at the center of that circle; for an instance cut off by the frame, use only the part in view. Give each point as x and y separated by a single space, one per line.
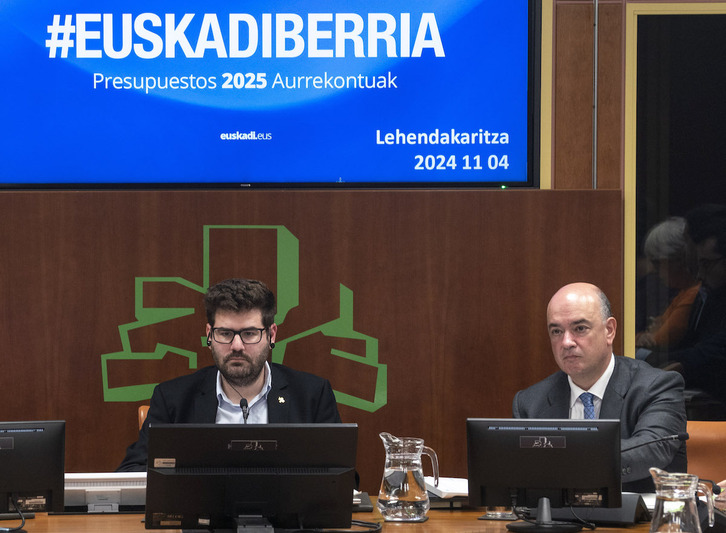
586 398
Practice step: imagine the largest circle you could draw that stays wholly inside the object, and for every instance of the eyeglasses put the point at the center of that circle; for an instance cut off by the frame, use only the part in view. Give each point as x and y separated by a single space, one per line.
247 335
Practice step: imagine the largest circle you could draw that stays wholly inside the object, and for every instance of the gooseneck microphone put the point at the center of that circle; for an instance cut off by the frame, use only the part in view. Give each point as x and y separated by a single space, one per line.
680 436
245 409
714 486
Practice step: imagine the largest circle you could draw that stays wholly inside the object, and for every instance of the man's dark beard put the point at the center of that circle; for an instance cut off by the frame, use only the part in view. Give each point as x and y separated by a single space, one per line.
249 374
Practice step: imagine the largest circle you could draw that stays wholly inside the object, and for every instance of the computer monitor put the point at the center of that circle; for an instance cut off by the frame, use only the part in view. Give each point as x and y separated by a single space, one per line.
219 476
32 461
210 94
520 462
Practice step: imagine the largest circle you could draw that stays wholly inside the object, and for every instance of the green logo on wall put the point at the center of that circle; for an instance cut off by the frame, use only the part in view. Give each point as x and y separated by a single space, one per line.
287 298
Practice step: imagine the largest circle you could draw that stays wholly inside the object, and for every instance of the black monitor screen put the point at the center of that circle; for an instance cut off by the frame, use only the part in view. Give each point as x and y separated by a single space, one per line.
214 476
518 461
32 462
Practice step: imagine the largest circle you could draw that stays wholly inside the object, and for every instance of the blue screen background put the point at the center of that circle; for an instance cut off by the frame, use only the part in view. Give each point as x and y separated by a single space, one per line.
58 128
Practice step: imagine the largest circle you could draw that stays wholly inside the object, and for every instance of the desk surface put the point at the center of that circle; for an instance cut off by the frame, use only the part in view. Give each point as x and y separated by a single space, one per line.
439 521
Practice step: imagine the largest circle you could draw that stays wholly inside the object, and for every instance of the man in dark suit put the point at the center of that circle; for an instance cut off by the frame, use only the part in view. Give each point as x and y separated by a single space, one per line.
648 402
242 387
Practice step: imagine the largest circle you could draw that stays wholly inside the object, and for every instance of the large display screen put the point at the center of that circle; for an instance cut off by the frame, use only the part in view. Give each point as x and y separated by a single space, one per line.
319 93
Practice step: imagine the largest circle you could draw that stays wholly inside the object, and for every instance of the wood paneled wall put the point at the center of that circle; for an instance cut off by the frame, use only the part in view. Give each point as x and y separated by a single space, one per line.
573 89
452 285
574 93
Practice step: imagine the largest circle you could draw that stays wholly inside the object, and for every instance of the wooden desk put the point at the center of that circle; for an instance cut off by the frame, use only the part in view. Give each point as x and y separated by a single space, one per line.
439 521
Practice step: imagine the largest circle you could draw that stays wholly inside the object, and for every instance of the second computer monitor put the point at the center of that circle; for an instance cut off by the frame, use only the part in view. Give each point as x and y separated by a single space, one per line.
515 462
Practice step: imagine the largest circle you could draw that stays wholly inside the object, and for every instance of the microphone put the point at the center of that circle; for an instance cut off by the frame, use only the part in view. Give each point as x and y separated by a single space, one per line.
245 409
680 436
714 486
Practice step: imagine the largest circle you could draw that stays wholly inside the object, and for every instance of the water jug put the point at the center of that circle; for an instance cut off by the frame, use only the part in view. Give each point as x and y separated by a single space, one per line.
403 496
675 502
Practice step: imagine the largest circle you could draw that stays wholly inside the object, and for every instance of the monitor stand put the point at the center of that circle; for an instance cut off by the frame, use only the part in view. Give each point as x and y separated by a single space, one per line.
15 516
544 522
254 524
18 516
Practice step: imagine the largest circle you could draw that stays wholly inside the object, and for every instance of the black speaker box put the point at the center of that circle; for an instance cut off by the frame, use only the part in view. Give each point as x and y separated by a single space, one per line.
632 511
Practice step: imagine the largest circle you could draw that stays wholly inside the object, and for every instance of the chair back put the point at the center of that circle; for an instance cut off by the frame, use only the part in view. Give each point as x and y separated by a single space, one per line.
143 411
705 445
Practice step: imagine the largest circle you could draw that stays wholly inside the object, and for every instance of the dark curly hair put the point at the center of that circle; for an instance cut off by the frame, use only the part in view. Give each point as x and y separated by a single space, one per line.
240 295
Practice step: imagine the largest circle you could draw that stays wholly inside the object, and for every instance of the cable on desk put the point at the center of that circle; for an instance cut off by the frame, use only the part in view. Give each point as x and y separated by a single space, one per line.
21 517
523 515
369 527
585 523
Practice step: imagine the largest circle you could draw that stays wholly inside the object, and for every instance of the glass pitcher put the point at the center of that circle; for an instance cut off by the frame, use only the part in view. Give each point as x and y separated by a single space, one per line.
675 502
403 496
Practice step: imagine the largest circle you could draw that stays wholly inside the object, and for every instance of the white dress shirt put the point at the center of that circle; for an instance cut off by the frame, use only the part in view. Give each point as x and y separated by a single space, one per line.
577 410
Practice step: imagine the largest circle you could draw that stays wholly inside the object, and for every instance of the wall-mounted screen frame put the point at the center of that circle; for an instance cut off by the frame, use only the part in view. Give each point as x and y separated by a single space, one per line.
367 94
634 214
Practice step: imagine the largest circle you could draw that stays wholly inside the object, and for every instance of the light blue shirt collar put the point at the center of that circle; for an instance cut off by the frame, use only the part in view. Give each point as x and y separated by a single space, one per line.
231 413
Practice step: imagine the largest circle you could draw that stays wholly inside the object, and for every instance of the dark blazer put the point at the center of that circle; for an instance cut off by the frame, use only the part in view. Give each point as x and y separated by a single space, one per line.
649 404
295 397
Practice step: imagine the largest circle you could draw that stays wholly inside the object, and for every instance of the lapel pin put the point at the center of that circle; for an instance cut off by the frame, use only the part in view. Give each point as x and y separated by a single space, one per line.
280 399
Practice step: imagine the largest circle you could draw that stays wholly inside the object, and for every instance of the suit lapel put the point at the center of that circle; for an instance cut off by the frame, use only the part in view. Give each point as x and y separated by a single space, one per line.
205 399
559 400
616 390
278 410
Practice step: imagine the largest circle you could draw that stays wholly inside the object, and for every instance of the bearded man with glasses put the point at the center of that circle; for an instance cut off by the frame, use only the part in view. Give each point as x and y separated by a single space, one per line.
242 387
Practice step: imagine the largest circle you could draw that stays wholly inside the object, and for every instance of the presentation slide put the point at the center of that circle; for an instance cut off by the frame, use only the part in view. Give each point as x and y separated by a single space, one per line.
264 93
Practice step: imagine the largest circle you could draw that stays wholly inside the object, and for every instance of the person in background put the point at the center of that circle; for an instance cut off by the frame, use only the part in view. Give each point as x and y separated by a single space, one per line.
242 386
666 248
701 355
594 383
